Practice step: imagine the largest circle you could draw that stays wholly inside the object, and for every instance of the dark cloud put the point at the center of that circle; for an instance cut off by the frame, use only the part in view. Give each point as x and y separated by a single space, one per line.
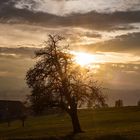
100 21
125 43
4 3
21 52
64 7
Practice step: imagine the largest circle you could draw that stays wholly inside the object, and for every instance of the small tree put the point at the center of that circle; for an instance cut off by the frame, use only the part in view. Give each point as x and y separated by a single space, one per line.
57 81
119 103
138 104
23 118
8 117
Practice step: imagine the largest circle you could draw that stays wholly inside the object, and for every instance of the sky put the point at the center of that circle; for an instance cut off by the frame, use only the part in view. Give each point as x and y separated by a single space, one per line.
107 29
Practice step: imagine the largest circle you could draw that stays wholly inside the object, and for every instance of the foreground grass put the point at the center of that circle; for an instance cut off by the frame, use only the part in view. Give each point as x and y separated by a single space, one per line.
103 124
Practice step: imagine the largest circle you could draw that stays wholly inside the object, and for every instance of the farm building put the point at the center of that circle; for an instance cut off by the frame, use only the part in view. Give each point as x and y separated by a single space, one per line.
11 109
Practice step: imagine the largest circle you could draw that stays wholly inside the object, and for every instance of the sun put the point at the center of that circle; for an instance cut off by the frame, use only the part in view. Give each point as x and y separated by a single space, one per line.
84 59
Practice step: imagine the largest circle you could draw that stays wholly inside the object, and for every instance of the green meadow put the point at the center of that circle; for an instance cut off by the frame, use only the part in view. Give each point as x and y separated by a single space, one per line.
100 124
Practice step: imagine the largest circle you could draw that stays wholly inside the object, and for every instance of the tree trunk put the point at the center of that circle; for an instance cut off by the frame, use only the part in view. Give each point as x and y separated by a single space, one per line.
23 123
9 124
75 122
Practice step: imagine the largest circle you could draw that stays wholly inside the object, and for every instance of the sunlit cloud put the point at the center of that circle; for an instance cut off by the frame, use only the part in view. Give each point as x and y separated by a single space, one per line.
104 57
3 73
82 58
22 35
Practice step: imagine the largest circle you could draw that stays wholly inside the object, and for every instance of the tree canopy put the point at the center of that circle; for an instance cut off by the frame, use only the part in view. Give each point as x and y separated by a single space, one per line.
56 80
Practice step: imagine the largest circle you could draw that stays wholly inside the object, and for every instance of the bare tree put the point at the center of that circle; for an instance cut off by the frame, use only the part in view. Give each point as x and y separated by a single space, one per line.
56 80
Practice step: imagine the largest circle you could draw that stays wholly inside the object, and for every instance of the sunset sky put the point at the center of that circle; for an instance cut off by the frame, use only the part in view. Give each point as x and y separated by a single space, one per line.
108 30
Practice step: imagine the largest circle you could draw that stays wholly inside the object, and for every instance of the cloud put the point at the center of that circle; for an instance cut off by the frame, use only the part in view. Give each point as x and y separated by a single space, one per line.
91 19
17 53
108 29
129 43
119 75
65 7
9 55
23 35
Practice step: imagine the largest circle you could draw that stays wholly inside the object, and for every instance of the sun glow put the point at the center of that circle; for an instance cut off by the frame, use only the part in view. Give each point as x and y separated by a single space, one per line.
84 59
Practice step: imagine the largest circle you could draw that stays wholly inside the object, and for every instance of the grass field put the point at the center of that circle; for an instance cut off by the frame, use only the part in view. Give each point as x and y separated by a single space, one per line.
101 124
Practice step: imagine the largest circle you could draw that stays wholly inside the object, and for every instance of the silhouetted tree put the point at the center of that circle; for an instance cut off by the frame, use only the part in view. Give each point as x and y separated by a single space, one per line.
119 103
138 104
105 106
23 118
8 117
57 81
